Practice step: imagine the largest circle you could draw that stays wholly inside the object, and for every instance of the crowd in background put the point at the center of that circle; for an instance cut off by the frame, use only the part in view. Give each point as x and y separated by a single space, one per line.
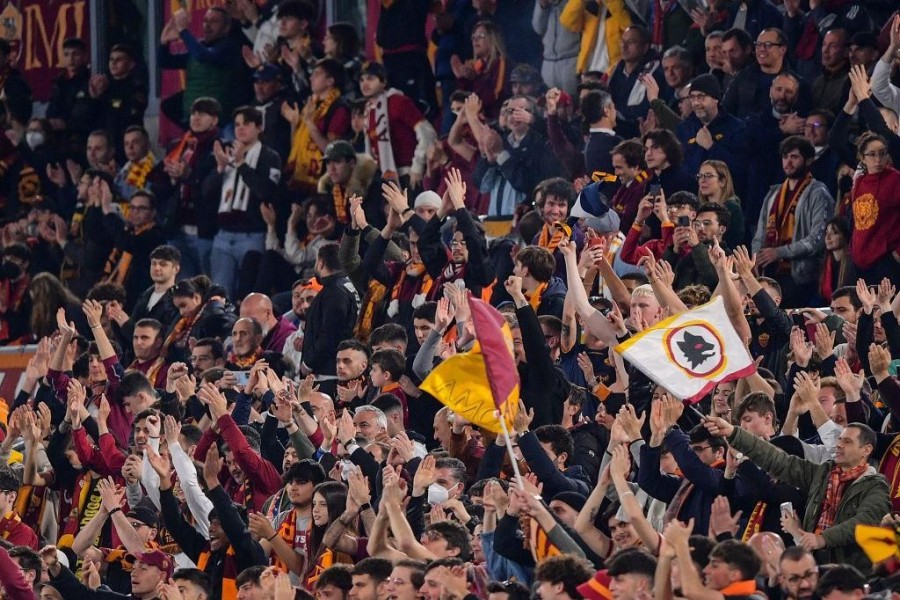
225 403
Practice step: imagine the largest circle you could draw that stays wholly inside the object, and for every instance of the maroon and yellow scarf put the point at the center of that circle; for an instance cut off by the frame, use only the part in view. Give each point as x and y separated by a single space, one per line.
838 480
890 468
552 235
247 361
118 265
139 170
780 221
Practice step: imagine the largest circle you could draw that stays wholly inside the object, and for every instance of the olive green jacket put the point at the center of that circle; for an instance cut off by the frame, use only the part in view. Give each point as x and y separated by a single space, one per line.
865 501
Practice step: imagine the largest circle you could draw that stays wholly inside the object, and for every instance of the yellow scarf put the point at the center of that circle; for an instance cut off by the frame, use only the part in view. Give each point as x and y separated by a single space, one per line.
535 299
340 204
118 265
138 171
305 160
374 296
551 236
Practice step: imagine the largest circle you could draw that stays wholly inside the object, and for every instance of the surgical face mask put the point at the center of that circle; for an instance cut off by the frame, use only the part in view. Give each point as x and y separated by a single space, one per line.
34 139
437 494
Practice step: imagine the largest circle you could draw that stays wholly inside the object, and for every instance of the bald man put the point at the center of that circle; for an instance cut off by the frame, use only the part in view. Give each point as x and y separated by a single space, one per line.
276 330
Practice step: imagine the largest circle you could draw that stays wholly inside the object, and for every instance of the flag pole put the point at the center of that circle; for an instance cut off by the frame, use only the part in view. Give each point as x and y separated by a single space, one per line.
509 448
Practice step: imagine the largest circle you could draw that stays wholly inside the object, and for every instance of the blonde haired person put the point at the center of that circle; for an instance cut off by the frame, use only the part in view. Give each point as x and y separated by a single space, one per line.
485 73
715 185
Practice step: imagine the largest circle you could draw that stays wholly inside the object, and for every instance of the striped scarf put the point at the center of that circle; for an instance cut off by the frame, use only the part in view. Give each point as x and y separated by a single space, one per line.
421 285
247 361
182 330
138 171
326 558
780 221
755 522
371 301
9 524
890 468
294 538
85 504
305 159
118 265
30 503
551 236
538 541
341 200
229 572
838 480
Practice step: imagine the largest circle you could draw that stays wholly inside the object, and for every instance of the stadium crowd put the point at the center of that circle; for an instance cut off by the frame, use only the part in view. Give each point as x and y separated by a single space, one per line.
225 399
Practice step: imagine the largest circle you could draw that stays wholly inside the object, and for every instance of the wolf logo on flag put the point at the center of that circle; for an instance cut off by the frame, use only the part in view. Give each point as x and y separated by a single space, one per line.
695 347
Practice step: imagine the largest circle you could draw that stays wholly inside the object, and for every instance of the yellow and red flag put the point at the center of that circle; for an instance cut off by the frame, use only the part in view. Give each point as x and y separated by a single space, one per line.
478 383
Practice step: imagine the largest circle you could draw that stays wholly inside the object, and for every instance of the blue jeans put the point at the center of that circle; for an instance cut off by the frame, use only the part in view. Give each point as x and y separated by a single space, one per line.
195 253
228 250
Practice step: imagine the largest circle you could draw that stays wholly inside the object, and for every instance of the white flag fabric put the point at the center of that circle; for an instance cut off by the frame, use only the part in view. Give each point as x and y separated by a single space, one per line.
690 353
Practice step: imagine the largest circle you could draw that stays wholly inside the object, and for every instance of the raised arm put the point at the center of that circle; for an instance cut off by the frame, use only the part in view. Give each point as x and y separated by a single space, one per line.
403 532
596 540
692 588
618 469
378 537
593 319
733 305
93 310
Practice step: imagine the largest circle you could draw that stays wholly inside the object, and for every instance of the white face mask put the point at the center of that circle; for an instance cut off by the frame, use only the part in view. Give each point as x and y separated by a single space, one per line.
34 139
437 494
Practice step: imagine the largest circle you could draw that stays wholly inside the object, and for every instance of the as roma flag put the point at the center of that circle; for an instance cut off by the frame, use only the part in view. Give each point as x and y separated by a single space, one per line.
690 353
478 383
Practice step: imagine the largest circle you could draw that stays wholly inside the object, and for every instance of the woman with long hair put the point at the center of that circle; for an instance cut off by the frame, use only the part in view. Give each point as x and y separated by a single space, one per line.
715 185
342 43
47 295
875 204
204 314
328 503
837 270
485 73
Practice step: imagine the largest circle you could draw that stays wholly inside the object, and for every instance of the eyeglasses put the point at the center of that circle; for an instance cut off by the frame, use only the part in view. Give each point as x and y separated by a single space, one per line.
699 449
814 126
137 524
398 581
795 579
698 96
454 243
703 223
702 176
767 45
479 36
875 154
